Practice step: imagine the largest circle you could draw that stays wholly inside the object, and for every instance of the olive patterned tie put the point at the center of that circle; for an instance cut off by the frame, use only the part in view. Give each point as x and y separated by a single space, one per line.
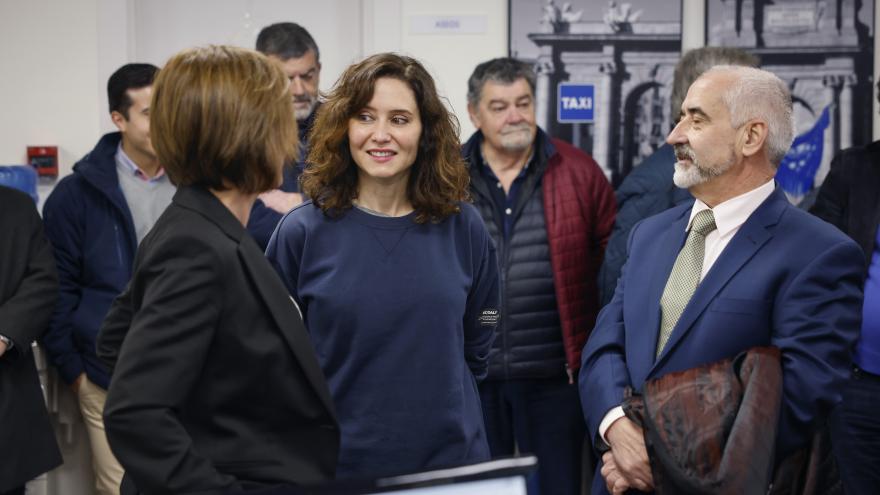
685 276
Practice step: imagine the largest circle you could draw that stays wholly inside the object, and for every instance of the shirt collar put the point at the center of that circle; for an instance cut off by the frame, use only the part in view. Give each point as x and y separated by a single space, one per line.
522 171
124 162
488 169
734 212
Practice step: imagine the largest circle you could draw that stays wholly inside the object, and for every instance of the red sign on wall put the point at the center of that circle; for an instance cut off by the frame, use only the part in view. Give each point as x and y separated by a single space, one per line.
44 159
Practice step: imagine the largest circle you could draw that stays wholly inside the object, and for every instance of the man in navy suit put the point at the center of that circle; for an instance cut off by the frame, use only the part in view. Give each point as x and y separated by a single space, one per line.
739 267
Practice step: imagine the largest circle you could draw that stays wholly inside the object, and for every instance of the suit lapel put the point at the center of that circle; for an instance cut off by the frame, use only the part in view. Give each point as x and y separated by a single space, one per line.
201 201
753 234
286 316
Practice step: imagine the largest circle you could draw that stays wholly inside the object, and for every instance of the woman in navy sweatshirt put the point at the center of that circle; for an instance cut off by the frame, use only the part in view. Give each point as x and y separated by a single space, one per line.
395 274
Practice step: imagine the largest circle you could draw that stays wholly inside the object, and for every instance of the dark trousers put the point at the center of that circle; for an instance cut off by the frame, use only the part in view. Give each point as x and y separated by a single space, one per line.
855 434
539 417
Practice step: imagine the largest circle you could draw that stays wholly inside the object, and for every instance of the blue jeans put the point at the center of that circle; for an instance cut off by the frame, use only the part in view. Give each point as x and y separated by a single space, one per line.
539 417
855 434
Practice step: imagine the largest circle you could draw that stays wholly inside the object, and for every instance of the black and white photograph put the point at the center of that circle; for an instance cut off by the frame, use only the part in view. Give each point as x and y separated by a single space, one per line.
619 56
824 50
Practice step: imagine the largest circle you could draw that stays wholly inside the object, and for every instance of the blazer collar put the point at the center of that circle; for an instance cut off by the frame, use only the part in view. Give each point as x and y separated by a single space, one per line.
272 290
200 200
753 234
287 317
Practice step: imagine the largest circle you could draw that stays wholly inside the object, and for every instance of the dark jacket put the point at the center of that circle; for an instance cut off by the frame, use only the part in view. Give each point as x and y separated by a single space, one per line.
263 220
646 191
565 212
216 385
849 197
28 290
786 280
91 230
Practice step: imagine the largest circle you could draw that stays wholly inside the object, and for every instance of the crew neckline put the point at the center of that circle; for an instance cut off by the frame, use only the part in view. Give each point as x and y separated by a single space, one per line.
382 222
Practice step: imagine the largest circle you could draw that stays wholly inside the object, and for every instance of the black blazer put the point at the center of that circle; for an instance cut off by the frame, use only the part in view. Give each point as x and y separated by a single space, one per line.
28 291
216 386
850 196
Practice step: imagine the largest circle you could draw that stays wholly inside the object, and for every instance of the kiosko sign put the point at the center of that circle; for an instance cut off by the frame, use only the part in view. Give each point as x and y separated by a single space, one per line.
575 103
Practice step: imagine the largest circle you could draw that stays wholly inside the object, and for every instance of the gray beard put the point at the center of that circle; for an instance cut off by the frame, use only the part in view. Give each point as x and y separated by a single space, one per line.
304 113
687 177
514 142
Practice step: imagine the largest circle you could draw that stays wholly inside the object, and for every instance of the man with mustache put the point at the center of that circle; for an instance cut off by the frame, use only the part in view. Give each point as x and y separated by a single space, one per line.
294 49
550 210
648 189
739 267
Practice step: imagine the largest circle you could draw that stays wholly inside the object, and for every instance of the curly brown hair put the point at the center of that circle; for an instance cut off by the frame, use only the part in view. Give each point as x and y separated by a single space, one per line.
438 179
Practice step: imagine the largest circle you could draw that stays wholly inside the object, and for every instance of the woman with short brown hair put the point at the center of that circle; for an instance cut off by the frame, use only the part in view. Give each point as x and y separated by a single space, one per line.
395 274
216 387
215 128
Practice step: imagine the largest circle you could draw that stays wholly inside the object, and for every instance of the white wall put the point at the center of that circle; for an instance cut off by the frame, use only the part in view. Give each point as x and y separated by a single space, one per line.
48 77
335 25
56 56
449 58
452 58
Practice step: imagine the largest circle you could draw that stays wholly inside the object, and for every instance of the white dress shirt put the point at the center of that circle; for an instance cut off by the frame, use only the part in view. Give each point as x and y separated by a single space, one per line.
729 217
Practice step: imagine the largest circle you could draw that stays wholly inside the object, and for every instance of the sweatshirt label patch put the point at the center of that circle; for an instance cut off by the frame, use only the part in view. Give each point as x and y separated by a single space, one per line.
489 317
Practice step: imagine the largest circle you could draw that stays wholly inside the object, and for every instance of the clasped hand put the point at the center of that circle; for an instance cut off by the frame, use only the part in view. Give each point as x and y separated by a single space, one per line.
626 465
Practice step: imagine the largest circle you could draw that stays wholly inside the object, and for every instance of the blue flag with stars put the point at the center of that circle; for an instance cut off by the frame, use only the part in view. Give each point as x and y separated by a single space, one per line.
797 172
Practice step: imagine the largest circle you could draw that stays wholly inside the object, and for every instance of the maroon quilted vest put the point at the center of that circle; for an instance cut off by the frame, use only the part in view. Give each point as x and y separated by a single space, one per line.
579 209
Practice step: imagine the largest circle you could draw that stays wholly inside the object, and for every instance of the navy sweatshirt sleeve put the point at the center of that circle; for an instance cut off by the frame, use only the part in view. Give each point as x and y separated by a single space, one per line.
483 309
